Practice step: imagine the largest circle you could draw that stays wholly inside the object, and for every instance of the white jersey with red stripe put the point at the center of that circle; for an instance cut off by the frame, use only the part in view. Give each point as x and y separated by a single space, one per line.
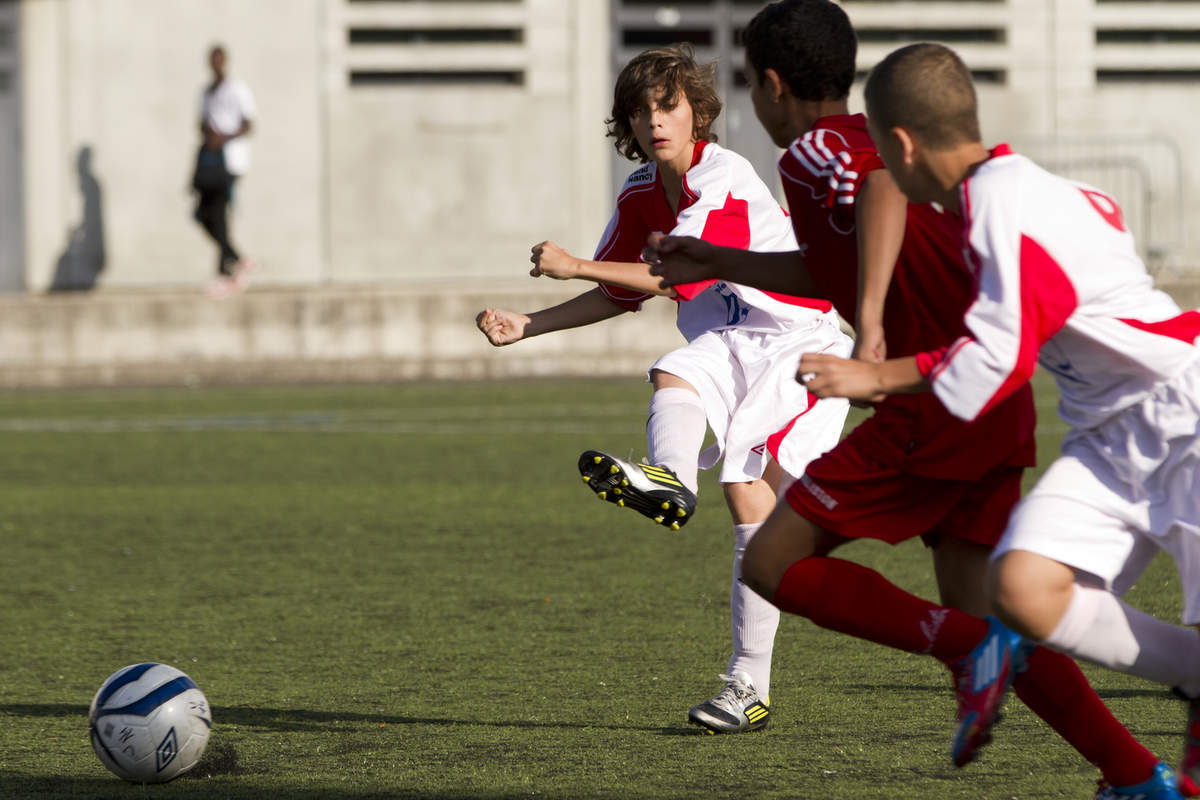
1060 283
724 202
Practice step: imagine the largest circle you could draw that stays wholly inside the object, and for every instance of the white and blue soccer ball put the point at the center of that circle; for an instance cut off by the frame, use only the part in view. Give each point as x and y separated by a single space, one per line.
149 723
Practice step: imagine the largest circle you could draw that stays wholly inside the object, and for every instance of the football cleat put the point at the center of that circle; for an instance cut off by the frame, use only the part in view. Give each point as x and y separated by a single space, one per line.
736 709
981 682
1160 786
652 491
1189 768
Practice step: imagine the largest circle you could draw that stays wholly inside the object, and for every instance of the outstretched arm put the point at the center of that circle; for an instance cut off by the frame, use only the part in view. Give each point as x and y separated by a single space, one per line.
677 260
830 376
554 262
503 327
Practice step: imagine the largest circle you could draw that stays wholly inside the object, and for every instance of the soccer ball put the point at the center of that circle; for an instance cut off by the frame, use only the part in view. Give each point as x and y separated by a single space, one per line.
149 723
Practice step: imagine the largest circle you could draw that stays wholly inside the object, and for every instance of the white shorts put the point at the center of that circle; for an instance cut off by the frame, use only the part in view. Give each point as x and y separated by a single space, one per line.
1122 491
747 383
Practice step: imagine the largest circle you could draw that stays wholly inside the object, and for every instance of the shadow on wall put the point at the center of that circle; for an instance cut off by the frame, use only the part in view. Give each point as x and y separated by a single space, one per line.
83 258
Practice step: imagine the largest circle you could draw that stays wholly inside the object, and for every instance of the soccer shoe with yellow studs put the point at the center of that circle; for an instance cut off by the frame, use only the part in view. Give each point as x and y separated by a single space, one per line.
736 709
652 491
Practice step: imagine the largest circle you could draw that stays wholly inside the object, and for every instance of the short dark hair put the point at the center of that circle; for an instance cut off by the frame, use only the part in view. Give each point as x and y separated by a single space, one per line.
674 70
927 89
810 43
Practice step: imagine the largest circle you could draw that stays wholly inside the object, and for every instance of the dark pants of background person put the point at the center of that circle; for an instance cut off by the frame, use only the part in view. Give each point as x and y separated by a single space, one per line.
212 212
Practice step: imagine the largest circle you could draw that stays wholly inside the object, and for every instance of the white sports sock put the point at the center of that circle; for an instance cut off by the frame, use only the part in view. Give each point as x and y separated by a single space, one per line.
753 620
675 432
1099 627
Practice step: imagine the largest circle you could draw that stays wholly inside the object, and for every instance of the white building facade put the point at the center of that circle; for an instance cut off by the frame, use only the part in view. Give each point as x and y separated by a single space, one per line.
421 142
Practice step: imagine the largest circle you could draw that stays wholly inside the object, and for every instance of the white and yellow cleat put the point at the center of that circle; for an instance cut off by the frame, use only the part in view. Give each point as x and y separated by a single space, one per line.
654 492
738 708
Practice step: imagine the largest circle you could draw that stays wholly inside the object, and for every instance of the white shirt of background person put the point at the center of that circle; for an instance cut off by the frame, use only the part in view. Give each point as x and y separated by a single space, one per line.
224 107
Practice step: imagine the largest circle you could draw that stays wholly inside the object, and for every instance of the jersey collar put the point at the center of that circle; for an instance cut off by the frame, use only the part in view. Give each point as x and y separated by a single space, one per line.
841 121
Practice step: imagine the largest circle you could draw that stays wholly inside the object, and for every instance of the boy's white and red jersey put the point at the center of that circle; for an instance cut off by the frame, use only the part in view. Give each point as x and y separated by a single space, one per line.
1060 282
723 202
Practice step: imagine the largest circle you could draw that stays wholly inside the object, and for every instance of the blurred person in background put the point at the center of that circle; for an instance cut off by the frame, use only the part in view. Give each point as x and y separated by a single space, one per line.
226 120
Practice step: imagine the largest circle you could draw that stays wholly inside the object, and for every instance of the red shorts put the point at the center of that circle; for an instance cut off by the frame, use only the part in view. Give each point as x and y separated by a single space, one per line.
849 493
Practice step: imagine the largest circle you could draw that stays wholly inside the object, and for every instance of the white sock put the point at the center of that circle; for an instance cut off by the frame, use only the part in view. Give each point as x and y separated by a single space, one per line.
675 432
753 620
1099 627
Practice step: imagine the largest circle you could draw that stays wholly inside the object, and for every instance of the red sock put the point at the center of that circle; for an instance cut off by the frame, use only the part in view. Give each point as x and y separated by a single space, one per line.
1056 690
849 598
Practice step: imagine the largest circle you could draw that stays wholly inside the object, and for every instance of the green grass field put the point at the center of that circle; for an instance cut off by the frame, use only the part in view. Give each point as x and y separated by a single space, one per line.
405 591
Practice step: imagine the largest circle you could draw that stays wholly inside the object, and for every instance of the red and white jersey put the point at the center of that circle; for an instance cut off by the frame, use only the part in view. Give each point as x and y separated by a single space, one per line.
823 172
931 288
1060 282
723 202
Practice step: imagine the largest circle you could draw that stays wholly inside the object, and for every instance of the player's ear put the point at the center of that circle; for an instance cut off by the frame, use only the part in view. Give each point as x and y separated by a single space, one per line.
775 84
908 144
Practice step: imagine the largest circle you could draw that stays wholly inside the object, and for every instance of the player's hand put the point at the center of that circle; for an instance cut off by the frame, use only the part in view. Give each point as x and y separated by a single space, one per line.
870 345
552 261
679 259
501 327
832 376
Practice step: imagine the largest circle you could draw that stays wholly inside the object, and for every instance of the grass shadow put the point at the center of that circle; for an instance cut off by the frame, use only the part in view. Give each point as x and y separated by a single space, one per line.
299 719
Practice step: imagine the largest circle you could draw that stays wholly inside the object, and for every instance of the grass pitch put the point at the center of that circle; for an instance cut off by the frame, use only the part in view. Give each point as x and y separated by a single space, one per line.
405 591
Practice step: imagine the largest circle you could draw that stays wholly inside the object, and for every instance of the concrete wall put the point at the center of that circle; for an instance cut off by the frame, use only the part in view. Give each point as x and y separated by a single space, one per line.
120 80
385 214
450 182
1130 137
427 181
154 337
120 337
349 183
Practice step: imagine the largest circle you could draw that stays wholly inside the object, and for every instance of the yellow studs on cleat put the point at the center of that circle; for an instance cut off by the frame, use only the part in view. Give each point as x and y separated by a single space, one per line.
614 469
616 491
659 519
602 495
624 482
621 503
586 479
679 512
596 459
674 526
666 506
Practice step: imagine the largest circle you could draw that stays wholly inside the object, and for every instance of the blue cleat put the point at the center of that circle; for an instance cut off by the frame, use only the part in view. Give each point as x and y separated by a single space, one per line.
982 680
1160 786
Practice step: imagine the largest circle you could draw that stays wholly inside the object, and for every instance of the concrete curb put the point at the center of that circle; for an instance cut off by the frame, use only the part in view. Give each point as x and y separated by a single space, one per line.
328 334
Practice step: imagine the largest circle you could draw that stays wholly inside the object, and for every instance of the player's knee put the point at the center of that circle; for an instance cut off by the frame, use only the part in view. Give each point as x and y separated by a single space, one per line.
749 502
1028 595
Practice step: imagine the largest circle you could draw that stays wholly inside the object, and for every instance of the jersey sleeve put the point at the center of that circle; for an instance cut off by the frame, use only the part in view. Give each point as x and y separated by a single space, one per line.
831 169
1024 297
623 245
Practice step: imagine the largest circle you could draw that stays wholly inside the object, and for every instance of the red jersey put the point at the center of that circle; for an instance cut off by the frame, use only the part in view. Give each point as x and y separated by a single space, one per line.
931 289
